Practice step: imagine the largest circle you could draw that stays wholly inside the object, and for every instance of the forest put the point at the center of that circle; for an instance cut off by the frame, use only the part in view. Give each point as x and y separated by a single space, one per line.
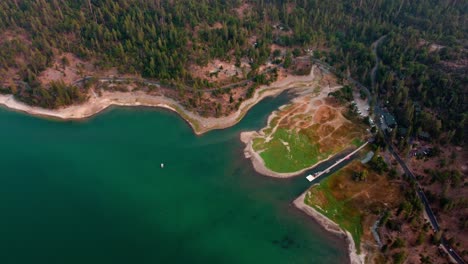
422 72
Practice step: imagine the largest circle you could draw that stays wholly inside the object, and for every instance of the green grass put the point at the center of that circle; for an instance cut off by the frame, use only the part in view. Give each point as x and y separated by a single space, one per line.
317 89
341 212
257 143
357 142
267 131
276 156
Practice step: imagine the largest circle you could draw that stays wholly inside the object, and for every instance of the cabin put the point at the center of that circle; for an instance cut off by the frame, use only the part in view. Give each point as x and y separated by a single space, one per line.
389 119
423 151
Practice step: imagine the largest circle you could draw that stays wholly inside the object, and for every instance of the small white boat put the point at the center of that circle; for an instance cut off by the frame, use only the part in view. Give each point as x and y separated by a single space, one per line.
310 177
162 165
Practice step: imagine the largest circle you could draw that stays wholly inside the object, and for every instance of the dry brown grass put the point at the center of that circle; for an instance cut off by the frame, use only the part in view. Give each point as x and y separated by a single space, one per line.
448 219
376 190
243 10
324 114
332 101
356 205
325 130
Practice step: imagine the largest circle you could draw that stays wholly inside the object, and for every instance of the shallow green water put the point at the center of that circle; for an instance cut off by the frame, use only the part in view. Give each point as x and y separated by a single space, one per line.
93 192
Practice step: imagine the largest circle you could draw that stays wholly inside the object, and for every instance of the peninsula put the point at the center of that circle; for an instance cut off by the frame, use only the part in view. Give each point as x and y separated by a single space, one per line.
383 80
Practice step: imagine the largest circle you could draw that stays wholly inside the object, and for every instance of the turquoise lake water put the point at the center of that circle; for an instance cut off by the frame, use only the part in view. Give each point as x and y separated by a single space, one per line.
93 191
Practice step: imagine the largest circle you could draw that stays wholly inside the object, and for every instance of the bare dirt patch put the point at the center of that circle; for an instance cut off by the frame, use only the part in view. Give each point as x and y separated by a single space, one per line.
318 102
10 35
324 114
282 49
243 10
220 72
67 68
312 129
301 66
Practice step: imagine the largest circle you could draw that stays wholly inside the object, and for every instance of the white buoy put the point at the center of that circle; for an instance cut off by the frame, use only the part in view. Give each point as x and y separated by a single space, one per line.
162 165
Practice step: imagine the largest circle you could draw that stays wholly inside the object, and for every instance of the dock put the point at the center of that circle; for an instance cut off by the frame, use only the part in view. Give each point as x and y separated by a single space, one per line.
327 170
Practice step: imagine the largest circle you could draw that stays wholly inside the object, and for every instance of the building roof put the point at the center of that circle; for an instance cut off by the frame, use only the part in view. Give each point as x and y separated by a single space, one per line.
389 119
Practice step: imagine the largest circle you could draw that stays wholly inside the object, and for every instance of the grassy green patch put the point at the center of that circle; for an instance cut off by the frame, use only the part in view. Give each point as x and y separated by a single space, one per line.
257 143
342 212
267 131
288 151
357 142
274 121
317 89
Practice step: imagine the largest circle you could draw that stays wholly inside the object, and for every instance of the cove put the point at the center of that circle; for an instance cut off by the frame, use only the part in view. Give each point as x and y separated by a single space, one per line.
93 191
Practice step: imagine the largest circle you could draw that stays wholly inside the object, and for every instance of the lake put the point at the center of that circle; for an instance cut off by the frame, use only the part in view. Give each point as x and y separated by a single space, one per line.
93 191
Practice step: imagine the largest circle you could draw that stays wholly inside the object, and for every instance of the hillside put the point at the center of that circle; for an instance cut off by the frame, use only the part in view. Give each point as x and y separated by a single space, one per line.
210 57
208 44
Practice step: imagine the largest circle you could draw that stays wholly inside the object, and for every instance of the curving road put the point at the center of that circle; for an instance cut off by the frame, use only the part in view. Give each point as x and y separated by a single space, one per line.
427 208
159 84
377 110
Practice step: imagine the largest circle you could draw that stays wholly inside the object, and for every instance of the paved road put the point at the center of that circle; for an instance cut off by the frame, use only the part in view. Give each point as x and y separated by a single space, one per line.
377 110
427 208
430 214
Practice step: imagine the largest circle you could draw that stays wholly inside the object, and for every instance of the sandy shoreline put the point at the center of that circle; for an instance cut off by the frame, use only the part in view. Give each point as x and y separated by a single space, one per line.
257 160
332 227
259 164
200 124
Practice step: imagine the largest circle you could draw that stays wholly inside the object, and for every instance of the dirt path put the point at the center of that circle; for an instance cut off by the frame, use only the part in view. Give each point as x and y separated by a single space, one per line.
362 192
374 47
287 115
247 137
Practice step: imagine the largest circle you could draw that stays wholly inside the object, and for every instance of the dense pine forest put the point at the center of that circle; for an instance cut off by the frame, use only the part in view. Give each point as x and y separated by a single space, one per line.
422 72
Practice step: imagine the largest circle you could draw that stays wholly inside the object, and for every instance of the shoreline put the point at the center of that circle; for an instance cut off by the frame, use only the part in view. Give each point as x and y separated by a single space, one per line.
331 227
259 164
200 125
96 104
